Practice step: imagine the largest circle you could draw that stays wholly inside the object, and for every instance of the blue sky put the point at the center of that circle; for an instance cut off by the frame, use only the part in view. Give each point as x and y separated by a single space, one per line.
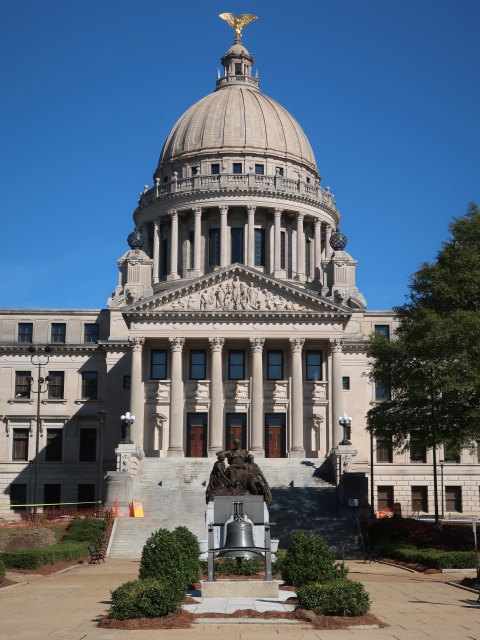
386 91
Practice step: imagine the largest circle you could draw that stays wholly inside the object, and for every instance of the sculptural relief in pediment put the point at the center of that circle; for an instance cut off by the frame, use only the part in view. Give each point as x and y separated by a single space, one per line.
234 294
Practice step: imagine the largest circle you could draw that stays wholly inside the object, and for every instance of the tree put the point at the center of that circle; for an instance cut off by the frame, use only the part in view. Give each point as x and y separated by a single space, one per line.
432 367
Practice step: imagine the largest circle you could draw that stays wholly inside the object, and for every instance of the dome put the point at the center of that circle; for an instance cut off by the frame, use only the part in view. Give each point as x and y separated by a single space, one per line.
238 118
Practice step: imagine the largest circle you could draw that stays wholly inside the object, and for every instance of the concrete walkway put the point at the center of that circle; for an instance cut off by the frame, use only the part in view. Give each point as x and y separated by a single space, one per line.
66 606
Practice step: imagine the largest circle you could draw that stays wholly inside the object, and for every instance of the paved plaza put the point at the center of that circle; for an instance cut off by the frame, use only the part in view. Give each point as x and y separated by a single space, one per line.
66 606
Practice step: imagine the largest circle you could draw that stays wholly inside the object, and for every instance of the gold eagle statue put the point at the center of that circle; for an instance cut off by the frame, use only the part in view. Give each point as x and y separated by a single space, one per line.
238 23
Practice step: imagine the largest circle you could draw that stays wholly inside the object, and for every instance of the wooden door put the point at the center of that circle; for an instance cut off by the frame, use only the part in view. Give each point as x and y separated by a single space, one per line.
236 429
275 435
197 435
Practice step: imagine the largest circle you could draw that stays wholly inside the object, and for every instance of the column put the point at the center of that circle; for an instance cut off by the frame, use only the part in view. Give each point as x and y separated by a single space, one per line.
256 398
173 275
318 250
136 391
297 449
336 346
197 233
300 248
251 236
175 437
215 439
156 250
328 248
277 240
223 235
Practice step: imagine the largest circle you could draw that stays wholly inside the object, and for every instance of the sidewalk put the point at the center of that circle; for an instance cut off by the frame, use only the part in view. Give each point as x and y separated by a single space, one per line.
66 606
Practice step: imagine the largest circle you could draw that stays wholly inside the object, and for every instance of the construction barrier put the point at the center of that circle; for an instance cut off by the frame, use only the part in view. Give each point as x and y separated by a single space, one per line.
136 510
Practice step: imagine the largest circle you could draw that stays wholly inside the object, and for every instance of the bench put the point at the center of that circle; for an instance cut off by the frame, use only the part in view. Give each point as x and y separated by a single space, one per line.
95 555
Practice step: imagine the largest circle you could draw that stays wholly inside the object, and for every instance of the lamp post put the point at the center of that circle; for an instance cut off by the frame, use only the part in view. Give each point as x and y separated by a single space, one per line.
39 362
372 491
127 421
345 421
101 421
441 480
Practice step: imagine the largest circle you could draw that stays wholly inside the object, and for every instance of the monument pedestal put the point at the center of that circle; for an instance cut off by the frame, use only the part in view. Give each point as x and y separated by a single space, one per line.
240 588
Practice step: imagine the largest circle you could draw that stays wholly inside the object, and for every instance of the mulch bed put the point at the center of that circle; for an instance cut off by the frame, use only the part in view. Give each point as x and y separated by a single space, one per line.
48 569
180 620
411 565
339 622
6 582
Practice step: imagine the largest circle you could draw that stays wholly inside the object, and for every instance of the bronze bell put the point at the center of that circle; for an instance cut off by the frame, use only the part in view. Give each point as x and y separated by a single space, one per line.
239 534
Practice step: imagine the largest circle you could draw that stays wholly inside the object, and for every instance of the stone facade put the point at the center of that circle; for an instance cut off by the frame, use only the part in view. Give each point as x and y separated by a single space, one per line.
236 315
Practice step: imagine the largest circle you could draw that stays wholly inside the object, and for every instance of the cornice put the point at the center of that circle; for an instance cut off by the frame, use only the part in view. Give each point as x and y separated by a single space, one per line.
57 349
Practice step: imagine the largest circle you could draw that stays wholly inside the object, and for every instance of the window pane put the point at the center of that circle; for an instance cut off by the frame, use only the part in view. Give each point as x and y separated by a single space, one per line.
381 393
274 365
308 246
385 498
418 452
214 247
260 169
236 365
237 167
198 364
91 332
259 247
420 499
450 455
51 493
158 364
56 384
127 382
237 244
88 445
89 385
22 385
20 444
314 365
59 332
384 451
383 330
282 249
214 169
191 257
53 450
25 332
453 499
18 496
86 493
346 383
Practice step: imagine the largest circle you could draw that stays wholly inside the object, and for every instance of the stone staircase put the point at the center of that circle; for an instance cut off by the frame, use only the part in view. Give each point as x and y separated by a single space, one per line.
173 494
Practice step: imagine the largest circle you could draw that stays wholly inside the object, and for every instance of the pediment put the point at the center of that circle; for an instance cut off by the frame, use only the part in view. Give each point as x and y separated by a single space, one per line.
236 290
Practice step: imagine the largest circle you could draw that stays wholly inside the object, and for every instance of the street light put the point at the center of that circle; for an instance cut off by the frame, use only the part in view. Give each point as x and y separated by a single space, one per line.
127 421
441 480
345 421
39 362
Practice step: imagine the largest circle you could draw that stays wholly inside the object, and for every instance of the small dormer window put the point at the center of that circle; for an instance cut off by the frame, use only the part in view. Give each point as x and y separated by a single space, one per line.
260 169
238 68
214 169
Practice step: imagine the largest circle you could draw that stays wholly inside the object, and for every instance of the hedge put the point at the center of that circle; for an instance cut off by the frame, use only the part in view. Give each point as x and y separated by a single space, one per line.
433 558
164 558
2 570
36 558
343 597
145 599
89 530
308 559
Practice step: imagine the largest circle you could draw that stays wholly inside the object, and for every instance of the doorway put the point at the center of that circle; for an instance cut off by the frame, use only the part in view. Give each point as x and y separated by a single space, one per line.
275 441
236 429
197 435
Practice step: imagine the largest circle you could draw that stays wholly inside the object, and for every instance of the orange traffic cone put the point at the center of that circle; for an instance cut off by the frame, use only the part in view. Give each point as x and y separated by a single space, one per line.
116 507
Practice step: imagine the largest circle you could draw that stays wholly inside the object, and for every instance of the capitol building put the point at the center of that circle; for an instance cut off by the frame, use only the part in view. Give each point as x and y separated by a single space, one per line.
236 315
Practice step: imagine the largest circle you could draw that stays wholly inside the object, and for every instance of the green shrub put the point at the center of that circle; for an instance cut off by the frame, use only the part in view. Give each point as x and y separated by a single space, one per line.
2 570
342 597
433 558
145 599
89 530
36 558
278 563
230 566
308 559
163 559
188 544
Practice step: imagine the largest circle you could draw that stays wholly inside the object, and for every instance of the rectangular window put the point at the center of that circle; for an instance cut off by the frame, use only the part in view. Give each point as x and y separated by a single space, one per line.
453 499
313 365
237 244
418 451
450 455
56 384
91 332
127 382
259 247
279 171
260 169
89 385
383 330
88 445
238 68
20 444
195 171
53 450
25 331
346 383
51 494
158 364
86 493
381 392
237 167
420 499
191 257
385 498
214 247
384 450
282 249
18 496
214 169
236 365
274 365
58 332
22 384
198 364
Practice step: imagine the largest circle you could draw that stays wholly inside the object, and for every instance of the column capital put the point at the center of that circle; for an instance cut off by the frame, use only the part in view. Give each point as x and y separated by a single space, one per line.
224 209
216 344
173 213
336 345
296 344
176 344
277 212
156 220
318 223
251 209
136 343
256 344
197 211
300 216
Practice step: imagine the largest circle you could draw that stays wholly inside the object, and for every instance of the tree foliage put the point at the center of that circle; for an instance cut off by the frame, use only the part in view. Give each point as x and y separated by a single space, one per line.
432 367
